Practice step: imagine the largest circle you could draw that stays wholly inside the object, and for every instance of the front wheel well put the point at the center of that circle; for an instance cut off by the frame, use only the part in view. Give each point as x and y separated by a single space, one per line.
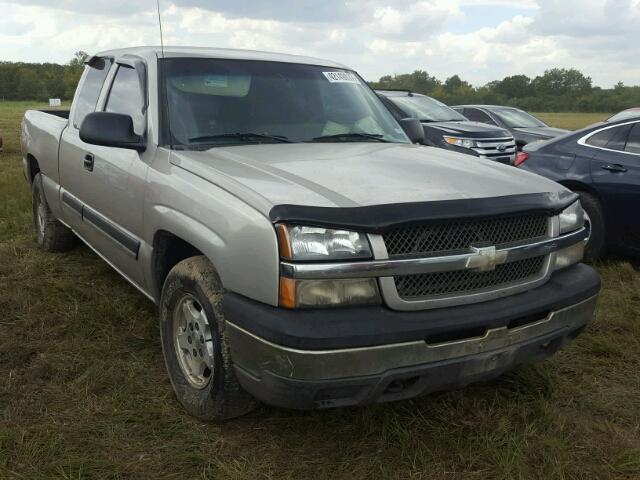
168 251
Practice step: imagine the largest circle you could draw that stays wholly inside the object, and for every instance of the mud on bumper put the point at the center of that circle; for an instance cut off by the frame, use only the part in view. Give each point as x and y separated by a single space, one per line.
350 356
306 379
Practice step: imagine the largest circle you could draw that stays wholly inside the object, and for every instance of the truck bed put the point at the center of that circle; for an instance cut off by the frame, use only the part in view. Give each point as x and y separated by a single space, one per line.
58 113
42 130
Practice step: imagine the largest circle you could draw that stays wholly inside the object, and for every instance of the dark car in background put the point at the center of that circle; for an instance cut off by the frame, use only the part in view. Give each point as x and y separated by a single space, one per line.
625 114
601 163
524 127
446 128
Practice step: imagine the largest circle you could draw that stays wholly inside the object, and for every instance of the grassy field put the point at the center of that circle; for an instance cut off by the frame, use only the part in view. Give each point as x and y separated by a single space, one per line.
83 391
571 121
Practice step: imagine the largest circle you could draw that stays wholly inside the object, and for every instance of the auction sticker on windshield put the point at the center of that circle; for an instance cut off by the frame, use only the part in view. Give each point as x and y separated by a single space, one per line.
341 77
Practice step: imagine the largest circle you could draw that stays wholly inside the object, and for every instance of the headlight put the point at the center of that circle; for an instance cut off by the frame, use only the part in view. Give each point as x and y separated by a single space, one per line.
314 243
328 293
569 256
572 218
459 142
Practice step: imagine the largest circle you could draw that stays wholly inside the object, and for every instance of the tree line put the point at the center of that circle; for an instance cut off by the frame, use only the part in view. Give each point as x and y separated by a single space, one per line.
557 90
40 81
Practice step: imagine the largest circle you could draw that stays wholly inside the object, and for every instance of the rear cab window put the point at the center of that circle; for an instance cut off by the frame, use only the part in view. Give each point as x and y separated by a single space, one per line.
87 99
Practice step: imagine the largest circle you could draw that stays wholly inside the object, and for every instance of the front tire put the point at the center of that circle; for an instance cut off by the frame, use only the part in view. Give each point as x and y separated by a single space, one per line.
51 235
597 244
194 343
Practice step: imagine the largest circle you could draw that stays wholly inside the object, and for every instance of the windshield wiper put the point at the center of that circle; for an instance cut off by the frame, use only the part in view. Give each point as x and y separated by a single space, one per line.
241 136
370 136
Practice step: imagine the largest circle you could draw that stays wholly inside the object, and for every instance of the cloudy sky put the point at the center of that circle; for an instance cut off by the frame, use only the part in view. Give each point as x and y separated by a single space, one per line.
482 40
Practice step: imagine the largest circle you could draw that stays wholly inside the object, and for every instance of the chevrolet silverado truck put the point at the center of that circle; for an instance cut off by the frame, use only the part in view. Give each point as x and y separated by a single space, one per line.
303 249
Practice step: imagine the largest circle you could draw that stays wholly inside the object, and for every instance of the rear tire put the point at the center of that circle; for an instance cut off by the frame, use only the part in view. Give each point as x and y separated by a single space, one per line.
597 244
51 235
194 343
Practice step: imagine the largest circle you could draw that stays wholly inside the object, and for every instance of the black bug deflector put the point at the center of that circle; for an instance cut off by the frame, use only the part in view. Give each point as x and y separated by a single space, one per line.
379 218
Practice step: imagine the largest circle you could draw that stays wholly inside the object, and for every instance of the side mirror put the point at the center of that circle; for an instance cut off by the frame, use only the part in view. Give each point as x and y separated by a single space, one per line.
413 128
111 130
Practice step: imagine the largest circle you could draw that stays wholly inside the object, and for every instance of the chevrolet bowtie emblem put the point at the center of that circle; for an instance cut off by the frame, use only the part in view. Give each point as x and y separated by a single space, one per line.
486 259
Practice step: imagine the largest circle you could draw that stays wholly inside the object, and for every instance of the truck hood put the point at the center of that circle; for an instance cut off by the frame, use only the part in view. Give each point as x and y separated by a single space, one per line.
354 174
468 129
541 132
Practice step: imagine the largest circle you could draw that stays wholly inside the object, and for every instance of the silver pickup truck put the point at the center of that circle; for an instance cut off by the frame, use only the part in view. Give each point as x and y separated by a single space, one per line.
302 249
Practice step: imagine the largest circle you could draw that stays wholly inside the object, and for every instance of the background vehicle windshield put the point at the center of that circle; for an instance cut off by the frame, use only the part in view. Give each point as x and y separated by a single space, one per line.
221 102
513 118
630 113
427 109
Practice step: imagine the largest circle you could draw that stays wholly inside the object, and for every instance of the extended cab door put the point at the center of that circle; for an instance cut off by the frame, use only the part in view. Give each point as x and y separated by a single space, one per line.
106 184
615 171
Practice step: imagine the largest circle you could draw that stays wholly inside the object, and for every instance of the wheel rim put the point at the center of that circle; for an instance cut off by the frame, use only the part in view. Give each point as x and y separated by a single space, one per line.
587 226
40 216
193 342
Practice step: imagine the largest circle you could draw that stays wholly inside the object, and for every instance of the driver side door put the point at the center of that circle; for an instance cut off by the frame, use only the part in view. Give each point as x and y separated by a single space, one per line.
108 184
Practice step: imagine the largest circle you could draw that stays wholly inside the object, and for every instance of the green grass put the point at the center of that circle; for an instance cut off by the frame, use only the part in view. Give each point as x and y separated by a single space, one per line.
83 391
571 120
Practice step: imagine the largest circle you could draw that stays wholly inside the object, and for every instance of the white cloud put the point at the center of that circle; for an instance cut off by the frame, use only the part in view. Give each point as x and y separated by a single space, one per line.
376 37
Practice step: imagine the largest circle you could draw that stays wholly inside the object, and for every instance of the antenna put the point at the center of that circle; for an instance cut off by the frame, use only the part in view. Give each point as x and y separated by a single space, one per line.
160 24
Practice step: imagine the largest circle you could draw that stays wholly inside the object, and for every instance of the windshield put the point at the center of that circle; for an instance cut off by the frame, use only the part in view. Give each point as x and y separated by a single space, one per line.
426 109
631 113
216 102
513 118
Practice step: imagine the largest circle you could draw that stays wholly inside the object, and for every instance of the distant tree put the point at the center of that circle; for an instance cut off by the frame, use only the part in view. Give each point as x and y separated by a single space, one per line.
455 83
562 81
419 81
79 59
515 86
73 72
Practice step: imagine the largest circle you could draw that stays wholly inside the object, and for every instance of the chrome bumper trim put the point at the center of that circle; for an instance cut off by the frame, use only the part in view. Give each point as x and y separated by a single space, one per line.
256 355
414 266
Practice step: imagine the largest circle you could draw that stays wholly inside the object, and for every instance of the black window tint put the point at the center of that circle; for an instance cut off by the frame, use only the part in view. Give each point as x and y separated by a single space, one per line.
88 96
611 138
633 142
476 115
126 97
601 139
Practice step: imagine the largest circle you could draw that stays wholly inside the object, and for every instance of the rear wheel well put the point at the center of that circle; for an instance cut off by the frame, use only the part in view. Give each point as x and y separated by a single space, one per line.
168 251
34 168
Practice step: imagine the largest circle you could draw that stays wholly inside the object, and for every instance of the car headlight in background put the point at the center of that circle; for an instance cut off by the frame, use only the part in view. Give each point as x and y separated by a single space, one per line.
314 243
301 243
571 218
460 142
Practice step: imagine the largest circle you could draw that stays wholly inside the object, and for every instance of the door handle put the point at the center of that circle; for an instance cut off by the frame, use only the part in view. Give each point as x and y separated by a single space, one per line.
88 162
616 167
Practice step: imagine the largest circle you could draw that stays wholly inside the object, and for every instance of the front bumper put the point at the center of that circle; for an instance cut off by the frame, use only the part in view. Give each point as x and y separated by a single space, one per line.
445 358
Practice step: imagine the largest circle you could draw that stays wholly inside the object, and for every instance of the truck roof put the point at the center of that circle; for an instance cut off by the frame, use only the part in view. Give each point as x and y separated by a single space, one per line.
225 53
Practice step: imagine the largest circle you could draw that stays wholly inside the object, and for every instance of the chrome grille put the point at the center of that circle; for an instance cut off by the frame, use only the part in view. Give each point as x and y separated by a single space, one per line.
501 149
449 237
468 281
